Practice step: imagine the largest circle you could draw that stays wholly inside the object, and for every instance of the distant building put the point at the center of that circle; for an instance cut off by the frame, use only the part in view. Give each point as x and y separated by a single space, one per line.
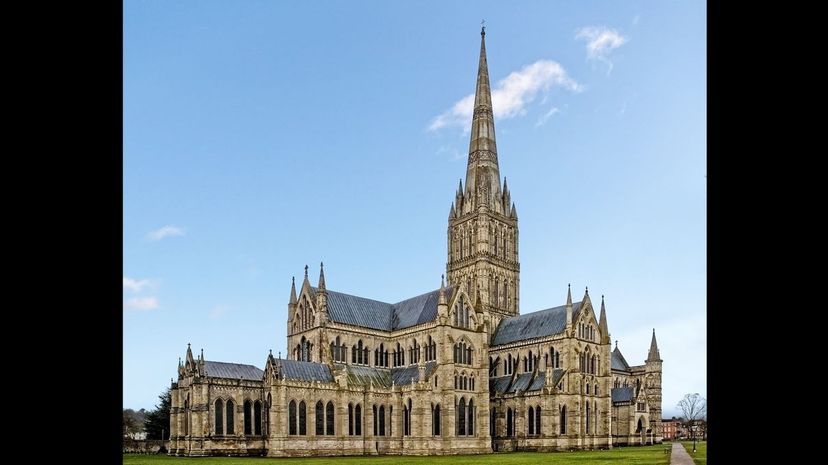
670 428
457 370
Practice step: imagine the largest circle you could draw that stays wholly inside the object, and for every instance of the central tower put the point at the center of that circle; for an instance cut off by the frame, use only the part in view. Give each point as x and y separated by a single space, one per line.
482 226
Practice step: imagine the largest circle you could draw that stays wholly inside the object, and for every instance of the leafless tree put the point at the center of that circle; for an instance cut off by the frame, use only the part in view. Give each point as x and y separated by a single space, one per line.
694 408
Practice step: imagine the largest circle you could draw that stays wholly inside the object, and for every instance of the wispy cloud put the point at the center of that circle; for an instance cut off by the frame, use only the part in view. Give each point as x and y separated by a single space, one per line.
218 312
545 117
165 231
600 42
136 285
511 95
141 303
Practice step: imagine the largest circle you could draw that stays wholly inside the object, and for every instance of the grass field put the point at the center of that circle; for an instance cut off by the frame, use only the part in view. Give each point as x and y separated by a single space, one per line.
700 457
646 455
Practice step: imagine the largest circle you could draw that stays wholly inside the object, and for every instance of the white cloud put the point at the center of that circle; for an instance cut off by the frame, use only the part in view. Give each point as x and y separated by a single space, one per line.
141 303
218 312
135 285
165 231
600 42
511 95
542 120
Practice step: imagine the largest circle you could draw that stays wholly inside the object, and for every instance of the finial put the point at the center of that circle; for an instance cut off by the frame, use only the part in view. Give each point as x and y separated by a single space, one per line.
483 27
280 354
188 345
442 280
271 352
202 353
306 271
321 265
567 285
616 343
293 280
587 290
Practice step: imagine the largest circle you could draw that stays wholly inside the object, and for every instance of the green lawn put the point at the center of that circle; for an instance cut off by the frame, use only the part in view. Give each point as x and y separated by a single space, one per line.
646 455
700 457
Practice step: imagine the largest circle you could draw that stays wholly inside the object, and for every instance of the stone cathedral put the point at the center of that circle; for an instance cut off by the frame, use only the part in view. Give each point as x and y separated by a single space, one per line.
456 370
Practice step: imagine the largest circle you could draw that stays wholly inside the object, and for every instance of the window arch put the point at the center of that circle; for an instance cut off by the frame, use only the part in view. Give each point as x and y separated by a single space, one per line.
461 417
329 419
407 418
350 419
435 420
358 421
472 416
231 428
382 420
218 423
587 418
538 420
303 426
563 419
463 353
257 418
248 418
509 423
319 420
531 422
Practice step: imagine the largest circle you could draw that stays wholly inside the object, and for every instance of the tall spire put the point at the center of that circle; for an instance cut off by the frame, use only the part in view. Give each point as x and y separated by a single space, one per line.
321 285
482 171
653 355
602 324
292 290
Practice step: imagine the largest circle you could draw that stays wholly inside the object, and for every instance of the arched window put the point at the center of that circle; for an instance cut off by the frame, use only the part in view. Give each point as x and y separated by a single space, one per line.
538 420
382 420
218 424
563 419
497 286
492 419
435 420
596 389
376 420
353 354
407 418
257 418
557 359
472 416
350 419
587 388
231 427
303 426
187 416
248 418
461 417
587 418
509 423
390 420
267 407
531 422
329 419
358 421
319 420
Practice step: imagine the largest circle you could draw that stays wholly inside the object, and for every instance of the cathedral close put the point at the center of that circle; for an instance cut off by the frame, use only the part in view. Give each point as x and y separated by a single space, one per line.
456 370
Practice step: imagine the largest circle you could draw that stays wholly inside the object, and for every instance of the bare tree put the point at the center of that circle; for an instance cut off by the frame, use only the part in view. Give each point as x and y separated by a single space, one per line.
694 408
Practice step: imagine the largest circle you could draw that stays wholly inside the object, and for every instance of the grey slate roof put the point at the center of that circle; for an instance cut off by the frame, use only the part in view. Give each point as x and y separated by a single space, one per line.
499 385
383 377
368 313
402 376
523 382
618 362
623 394
531 325
232 371
305 371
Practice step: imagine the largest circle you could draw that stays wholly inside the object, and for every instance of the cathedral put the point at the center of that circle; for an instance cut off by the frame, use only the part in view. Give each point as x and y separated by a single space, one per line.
456 370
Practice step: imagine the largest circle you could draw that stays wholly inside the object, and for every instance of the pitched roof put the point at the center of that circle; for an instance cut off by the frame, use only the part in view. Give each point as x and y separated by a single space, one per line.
531 325
523 382
368 313
384 377
618 362
623 394
305 371
233 371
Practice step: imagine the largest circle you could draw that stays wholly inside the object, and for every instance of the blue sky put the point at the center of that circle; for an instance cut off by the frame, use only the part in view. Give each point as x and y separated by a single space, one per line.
261 136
